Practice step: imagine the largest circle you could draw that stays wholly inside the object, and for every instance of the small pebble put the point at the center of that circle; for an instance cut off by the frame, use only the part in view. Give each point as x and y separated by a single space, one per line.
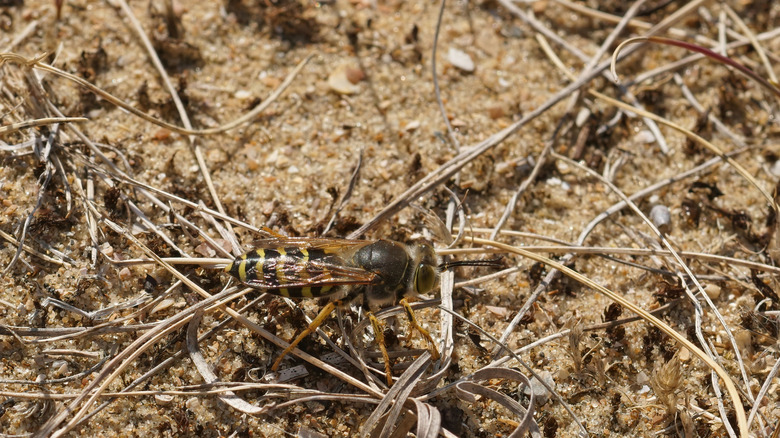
205 250
582 116
271 81
644 136
193 404
498 311
460 60
744 340
563 168
162 305
125 274
412 126
162 135
243 94
163 399
539 6
712 291
339 82
684 355
495 112
661 218
60 368
540 392
106 249
775 168
282 162
354 75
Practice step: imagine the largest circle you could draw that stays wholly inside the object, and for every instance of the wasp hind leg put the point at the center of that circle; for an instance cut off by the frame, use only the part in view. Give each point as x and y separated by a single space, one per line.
321 317
414 325
379 335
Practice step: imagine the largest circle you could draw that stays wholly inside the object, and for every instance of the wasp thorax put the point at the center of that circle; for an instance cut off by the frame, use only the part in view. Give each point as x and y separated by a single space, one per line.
400 270
386 259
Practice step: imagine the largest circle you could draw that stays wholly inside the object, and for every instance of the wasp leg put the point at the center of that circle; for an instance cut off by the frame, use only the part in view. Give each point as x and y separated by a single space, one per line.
380 339
323 315
416 326
272 232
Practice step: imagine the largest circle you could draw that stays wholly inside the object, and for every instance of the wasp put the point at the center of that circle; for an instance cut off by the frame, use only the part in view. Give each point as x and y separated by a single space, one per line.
301 267
385 272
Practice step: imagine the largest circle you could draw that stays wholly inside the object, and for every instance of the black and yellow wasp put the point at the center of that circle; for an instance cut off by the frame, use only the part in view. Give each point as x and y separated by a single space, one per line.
383 271
305 267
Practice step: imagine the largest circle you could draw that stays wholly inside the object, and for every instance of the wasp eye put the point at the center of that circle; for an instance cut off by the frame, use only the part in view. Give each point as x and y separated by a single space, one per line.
426 278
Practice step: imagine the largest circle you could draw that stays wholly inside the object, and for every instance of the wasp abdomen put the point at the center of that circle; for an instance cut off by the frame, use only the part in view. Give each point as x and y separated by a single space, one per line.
283 271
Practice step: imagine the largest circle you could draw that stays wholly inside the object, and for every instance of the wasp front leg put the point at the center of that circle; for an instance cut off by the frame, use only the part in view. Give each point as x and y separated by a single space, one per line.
414 325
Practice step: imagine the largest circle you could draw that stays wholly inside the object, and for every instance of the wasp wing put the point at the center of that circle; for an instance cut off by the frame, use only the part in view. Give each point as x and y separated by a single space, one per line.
314 274
327 244
296 269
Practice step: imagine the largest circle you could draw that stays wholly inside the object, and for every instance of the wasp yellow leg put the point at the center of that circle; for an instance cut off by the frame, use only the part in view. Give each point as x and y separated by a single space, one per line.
414 325
380 339
323 315
272 232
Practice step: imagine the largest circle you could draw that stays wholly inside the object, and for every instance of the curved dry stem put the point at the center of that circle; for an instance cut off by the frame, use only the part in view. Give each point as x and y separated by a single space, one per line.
7 129
604 250
206 372
30 250
753 41
698 139
695 48
647 316
38 64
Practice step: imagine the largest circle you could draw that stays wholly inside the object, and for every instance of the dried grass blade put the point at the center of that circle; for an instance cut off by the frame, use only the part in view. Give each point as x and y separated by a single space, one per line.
428 420
468 390
37 63
762 392
27 248
699 49
698 139
229 397
406 384
728 381
398 395
43 183
753 41
7 129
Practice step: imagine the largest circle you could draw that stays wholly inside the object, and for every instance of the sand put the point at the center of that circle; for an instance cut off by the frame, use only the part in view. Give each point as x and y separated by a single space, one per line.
367 92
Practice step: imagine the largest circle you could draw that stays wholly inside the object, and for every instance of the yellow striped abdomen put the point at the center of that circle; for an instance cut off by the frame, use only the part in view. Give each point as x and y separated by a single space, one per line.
283 271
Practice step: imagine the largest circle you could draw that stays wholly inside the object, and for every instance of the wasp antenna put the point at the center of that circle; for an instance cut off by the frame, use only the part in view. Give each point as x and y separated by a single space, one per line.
491 263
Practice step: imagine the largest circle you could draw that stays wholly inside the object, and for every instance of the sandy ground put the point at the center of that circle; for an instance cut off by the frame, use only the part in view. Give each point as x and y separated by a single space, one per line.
368 90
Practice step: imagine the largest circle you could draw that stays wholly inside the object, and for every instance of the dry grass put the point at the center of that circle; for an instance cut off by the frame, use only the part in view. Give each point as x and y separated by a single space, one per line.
150 144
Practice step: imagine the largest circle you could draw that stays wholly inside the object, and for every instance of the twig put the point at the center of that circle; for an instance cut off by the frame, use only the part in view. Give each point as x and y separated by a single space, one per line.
732 389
